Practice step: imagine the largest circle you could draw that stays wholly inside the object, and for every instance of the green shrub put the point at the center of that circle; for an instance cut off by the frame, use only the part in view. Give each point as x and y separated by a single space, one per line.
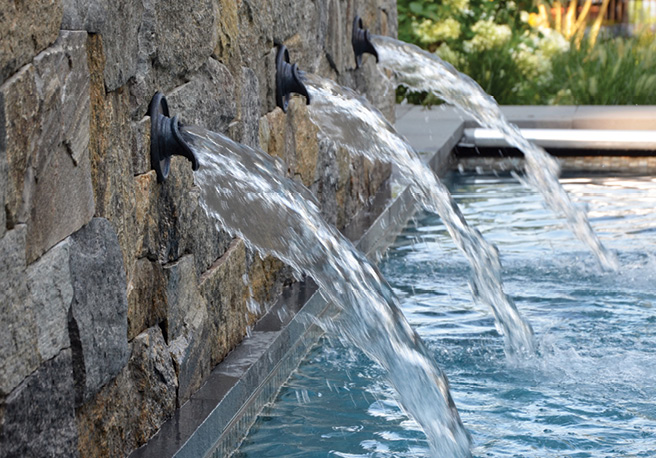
620 71
521 63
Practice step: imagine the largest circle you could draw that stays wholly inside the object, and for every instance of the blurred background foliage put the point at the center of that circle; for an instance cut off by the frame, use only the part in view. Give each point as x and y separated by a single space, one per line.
585 52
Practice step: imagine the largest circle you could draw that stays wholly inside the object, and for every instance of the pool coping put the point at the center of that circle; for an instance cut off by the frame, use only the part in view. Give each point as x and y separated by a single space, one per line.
219 414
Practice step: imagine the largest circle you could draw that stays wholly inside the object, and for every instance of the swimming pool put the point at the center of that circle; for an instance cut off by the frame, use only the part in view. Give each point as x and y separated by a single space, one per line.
588 393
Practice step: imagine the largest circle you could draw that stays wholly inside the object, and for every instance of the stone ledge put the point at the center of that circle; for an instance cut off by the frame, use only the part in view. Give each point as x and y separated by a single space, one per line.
419 123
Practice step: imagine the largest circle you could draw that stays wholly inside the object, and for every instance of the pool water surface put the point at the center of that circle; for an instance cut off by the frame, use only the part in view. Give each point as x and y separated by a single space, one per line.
590 390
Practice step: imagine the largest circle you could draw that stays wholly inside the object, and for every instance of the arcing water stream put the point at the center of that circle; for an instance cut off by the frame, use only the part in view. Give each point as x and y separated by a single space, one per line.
422 71
247 193
349 120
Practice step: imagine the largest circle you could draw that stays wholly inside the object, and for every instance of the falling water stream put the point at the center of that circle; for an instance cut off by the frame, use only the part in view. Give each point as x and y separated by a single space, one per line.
350 120
422 71
247 193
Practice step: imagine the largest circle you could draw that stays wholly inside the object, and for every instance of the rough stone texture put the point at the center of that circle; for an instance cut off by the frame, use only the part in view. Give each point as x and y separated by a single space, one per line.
191 354
336 28
266 277
18 345
208 100
3 186
141 146
152 275
146 297
223 288
86 15
306 143
19 114
39 418
147 193
26 28
246 127
98 318
45 130
182 296
170 222
51 293
118 22
110 153
185 35
187 328
227 48
130 409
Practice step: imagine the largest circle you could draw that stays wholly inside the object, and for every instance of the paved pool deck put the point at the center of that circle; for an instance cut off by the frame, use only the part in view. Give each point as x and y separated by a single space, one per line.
424 128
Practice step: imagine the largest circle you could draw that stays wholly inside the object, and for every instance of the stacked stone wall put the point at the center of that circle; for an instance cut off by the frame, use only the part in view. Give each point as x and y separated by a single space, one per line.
118 295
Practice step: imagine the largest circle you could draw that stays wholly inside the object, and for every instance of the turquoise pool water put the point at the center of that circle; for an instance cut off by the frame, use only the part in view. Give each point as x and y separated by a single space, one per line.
588 393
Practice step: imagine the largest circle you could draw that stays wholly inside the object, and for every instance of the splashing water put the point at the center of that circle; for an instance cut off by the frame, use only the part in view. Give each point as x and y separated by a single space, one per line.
419 71
247 193
350 120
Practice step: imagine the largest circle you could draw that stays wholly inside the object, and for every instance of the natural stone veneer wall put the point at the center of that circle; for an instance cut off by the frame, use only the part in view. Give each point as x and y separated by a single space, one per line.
117 294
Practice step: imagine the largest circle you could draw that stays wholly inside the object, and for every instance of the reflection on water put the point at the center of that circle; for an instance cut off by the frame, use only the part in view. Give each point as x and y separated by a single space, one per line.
590 391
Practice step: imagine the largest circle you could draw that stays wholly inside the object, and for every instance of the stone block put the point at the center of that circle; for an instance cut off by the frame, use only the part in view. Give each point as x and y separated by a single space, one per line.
98 317
185 34
246 128
26 28
335 46
182 295
18 345
208 100
131 408
306 143
266 277
147 193
302 28
51 294
187 327
191 354
118 23
146 297
3 187
170 222
223 287
39 418
86 15
19 127
141 146
227 48
45 136
110 151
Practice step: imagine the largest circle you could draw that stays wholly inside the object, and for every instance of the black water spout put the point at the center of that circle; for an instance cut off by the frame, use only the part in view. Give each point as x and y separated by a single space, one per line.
288 79
361 42
165 138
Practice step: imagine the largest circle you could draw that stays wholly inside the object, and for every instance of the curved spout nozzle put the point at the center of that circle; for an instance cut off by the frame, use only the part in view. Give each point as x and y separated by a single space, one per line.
165 138
361 42
288 79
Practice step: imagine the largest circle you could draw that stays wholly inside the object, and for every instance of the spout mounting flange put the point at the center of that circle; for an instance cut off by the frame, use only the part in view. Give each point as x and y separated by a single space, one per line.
289 79
361 42
165 138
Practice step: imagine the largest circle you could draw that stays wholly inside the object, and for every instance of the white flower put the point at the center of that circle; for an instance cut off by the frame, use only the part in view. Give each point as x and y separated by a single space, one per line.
488 36
449 55
532 62
432 32
457 5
